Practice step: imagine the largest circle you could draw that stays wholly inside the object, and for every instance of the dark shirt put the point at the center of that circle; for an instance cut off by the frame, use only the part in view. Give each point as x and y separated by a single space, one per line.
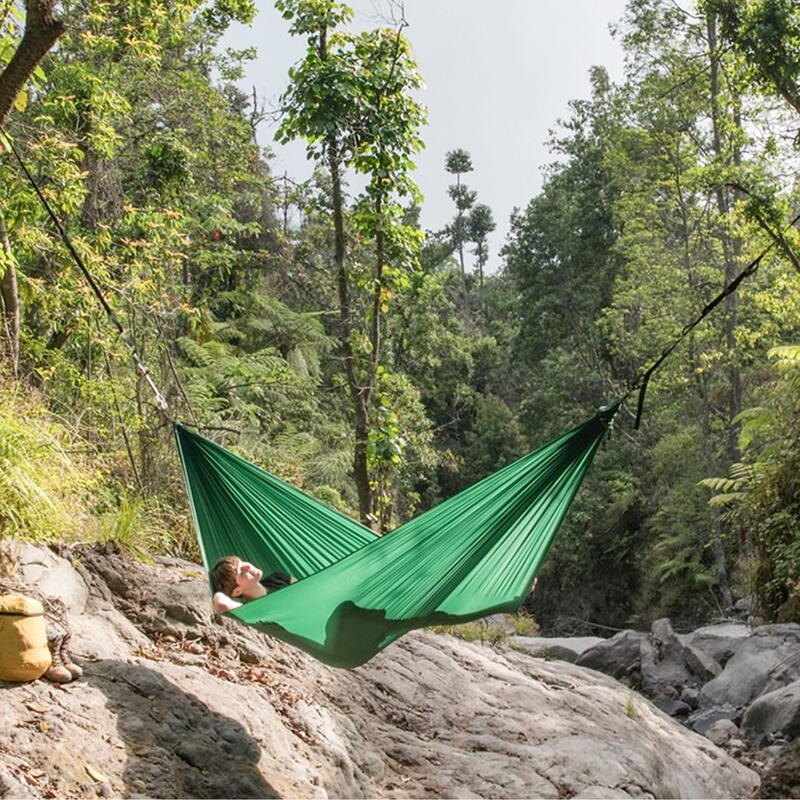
275 581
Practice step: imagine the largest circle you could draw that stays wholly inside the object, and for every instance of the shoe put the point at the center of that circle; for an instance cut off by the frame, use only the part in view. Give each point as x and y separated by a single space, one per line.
58 672
66 659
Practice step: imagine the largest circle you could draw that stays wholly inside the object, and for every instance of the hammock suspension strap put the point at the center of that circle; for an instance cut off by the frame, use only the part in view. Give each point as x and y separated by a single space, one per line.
642 382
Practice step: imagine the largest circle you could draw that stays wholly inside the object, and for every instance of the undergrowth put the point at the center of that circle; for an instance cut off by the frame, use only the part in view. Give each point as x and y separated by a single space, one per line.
490 631
43 487
55 486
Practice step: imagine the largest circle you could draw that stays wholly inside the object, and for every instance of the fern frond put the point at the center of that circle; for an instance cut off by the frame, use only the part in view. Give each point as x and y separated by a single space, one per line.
787 356
194 353
742 472
719 484
726 499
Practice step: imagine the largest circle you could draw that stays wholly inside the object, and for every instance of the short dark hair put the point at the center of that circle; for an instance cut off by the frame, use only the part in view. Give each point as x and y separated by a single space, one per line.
223 574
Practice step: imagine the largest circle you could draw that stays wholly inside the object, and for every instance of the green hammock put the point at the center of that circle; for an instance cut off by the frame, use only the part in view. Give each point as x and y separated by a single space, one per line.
472 555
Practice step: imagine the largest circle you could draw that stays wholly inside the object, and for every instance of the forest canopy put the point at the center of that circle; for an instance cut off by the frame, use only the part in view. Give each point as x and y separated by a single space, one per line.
319 331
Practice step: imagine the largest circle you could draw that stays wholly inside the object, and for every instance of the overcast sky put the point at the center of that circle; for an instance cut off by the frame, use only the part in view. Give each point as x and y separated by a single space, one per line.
498 75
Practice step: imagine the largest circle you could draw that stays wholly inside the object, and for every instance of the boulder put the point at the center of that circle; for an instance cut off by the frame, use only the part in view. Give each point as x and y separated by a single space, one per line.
558 653
789 632
662 660
620 656
690 696
719 641
51 575
761 664
537 645
722 731
774 714
187 602
702 719
700 663
672 706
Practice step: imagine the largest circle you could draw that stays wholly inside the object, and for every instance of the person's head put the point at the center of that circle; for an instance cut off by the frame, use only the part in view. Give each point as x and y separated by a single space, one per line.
233 576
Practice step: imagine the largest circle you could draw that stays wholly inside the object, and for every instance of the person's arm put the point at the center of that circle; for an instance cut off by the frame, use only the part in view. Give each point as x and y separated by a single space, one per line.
223 603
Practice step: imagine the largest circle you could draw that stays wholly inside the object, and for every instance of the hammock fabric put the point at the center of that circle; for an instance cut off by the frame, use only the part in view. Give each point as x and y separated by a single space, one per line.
472 555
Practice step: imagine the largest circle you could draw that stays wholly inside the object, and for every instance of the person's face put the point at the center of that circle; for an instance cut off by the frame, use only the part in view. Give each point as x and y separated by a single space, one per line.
247 576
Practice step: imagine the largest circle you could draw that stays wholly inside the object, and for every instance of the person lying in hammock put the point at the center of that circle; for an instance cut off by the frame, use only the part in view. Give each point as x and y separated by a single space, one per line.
236 582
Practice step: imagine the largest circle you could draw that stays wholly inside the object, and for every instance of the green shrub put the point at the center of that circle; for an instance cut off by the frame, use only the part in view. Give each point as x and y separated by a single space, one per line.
51 492
43 488
630 706
523 624
493 633
142 527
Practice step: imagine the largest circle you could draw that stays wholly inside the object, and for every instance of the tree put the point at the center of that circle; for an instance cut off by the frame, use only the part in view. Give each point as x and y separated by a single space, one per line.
480 223
561 248
42 31
458 163
349 100
767 34
684 225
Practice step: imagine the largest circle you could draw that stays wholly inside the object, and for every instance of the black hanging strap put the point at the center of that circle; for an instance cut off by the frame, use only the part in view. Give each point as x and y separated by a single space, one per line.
641 383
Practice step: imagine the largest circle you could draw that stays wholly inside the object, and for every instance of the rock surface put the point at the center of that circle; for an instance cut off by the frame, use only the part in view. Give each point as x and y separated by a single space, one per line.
783 777
761 664
620 656
549 647
719 641
773 715
177 704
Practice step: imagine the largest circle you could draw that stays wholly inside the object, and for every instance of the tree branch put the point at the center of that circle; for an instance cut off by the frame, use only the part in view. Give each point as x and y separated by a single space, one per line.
42 31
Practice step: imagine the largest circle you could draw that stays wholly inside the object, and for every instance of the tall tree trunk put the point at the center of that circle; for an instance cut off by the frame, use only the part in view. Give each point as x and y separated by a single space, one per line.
381 508
9 300
731 248
358 393
459 223
42 31
375 328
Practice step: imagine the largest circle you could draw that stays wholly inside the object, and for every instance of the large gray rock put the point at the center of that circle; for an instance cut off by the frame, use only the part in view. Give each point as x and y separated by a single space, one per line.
722 731
672 706
663 667
703 719
719 641
542 644
761 664
700 663
620 656
430 716
187 601
50 574
774 714
788 632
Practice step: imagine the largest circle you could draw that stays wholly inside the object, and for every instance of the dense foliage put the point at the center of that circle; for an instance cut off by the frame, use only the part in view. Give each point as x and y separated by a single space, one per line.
379 367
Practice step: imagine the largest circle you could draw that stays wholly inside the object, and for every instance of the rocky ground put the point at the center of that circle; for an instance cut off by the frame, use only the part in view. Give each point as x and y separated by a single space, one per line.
177 704
738 686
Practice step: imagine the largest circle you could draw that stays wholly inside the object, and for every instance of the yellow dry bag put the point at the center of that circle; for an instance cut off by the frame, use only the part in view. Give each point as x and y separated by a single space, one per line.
24 655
